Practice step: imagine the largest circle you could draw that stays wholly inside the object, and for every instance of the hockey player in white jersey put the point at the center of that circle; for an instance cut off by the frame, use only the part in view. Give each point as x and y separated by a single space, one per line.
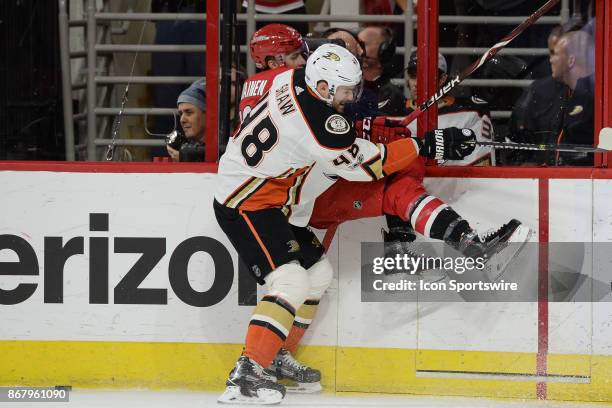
298 124
462 112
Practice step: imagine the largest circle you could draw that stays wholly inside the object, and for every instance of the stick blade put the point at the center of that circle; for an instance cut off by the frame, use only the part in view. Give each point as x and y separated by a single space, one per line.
605 139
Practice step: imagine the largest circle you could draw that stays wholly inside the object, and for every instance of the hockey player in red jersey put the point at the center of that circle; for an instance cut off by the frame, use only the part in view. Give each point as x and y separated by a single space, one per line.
291 147
408 206
274 48
471 113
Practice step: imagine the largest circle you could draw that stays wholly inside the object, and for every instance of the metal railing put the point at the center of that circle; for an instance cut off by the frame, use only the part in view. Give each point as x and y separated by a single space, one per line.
94 49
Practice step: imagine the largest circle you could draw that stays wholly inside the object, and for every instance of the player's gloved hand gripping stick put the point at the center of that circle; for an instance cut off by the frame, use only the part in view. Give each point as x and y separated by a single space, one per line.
440 144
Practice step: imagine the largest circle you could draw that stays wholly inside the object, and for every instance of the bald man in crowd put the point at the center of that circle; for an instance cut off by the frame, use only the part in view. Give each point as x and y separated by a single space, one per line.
572 62
572 58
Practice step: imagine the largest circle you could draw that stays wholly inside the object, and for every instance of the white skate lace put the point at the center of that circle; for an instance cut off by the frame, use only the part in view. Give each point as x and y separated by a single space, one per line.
289 360
257 369
489 233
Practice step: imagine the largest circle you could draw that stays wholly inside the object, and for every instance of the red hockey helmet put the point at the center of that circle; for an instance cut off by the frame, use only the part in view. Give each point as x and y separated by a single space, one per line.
275 41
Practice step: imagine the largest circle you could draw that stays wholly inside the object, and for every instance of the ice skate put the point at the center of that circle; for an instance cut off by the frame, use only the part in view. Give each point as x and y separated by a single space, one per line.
496 246
248 384
401 241
296 377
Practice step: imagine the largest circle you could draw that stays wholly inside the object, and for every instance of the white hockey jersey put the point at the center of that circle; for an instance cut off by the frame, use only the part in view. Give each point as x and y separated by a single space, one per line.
471 113
268 161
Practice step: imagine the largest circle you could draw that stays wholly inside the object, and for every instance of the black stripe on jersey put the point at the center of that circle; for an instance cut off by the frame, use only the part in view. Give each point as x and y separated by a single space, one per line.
316 112
287 211
290 189
300 325
246 196
238 190
312 302
298 193
270 327
367 166
383 160
280 302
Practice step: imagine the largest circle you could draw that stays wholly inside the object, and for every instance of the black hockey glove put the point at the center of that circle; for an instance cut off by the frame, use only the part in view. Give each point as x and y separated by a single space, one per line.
447 144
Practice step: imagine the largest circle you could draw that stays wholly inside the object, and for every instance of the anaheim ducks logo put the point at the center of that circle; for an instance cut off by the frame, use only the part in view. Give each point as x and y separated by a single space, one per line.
332 56
577 109
315 242
294 246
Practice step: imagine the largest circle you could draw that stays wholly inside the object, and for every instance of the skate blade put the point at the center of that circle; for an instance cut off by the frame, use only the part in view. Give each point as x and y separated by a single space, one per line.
232 395
303 388
498 263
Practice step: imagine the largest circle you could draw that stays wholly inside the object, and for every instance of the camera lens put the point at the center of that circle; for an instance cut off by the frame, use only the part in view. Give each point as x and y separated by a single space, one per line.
174 139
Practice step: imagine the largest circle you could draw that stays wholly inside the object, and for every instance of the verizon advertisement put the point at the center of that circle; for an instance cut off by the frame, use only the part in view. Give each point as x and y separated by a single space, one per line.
128 256
140 257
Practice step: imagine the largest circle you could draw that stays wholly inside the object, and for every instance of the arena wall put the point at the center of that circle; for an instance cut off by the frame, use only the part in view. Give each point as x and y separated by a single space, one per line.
85 324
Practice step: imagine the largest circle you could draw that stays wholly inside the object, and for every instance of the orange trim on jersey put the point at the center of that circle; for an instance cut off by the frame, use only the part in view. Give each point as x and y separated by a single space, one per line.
311 92
399 155
373 167
258 238
236 191
273 193
286 172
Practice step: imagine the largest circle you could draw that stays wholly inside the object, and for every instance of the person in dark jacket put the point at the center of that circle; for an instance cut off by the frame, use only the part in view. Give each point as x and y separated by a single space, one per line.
572 63
538 114
376 65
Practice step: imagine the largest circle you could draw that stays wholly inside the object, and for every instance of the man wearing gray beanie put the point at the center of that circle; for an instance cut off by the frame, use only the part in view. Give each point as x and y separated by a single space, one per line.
191 105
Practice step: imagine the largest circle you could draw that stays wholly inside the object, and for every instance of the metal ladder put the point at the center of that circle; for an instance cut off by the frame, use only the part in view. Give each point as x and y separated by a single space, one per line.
98 85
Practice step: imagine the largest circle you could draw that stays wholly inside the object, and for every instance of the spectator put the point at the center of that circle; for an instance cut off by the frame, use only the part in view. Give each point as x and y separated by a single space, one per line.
537 115
174 64
189 146
367 105
280 7
471 113
379 53
351 41
572 63
389 8
274 48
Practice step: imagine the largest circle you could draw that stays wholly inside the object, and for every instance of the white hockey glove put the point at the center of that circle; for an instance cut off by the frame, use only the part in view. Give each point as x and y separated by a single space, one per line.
447 144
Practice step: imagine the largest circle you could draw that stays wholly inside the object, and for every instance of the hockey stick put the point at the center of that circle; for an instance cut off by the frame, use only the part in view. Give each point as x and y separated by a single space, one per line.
490 53
605 145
